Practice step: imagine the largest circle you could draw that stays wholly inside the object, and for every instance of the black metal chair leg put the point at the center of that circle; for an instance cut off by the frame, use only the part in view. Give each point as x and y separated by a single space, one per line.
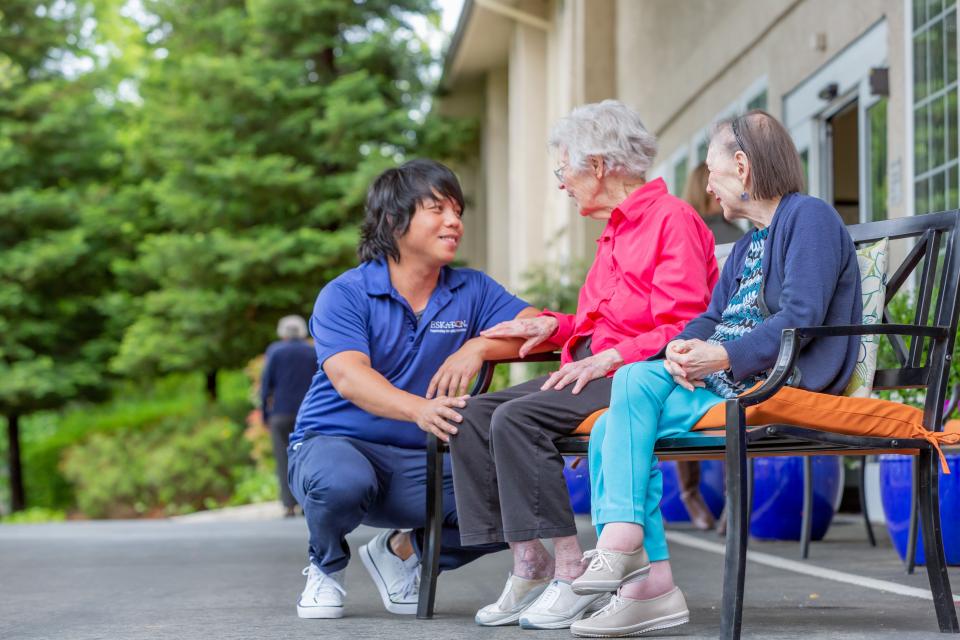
806 522
430 553
862 478
911 559
738 524
933 542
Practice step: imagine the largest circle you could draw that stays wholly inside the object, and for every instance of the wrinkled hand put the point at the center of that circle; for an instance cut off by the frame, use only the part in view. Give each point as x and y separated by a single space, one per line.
675 348
435 416
583 371
456 372
694 360
680 377
534 330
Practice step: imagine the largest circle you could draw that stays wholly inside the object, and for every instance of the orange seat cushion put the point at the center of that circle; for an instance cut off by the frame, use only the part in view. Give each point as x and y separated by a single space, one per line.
585 427
836 414
952 426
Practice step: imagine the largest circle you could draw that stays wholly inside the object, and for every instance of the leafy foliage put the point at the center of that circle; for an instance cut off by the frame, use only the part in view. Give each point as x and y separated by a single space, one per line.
174 176
174 467
263 122
58 164
49 435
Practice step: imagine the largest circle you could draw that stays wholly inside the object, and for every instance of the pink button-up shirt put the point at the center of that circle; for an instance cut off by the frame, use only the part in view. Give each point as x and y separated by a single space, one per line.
654 271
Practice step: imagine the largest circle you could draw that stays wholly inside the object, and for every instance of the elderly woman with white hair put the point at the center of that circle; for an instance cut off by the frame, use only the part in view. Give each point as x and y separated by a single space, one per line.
653 272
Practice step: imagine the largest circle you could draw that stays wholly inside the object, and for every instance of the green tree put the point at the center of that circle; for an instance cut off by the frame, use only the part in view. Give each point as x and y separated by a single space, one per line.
58 158
263 122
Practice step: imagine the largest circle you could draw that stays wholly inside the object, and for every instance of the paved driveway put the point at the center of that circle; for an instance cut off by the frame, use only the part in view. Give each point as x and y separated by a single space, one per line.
238 576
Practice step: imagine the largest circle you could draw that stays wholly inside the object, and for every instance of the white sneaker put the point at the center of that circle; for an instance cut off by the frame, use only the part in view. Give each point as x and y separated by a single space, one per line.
323 595
558 607
398 581
518 594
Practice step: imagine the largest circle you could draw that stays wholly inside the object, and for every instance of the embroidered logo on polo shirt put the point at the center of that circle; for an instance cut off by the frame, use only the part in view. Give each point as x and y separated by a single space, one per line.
448 326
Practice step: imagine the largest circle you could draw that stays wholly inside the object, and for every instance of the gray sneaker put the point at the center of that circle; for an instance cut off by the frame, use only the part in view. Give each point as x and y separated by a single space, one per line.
625 617
609 570
557 607
518 594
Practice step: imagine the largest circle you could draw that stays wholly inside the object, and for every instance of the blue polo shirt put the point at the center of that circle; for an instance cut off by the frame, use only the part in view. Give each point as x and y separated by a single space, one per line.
361 311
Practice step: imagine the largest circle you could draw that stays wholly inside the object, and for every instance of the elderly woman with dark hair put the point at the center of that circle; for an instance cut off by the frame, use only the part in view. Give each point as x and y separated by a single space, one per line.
798 268
652 273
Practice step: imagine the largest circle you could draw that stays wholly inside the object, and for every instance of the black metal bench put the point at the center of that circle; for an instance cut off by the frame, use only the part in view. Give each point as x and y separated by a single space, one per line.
925 364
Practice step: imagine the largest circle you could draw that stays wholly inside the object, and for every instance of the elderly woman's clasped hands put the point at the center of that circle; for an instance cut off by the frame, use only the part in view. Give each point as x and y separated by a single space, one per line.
690 361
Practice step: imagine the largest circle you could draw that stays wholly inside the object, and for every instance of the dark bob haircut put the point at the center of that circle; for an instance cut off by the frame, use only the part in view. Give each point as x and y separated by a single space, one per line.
393 199
774 161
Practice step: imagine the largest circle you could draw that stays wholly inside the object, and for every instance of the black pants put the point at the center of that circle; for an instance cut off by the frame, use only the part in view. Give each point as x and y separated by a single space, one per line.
507 472
280 429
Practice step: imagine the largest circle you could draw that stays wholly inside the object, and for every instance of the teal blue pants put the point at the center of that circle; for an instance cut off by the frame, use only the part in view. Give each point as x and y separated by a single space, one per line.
625 479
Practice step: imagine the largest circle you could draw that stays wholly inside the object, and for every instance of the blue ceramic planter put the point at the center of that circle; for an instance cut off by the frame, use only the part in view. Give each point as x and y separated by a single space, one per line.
778 496
711 487
896 479
578 483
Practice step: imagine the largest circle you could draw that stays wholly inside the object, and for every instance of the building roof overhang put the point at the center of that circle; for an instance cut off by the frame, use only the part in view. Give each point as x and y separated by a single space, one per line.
481 41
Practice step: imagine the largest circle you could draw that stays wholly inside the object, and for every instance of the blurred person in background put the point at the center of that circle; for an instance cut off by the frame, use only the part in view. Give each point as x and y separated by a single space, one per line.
289 367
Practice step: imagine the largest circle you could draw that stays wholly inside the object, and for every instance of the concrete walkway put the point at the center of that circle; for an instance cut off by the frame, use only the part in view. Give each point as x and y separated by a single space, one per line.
236 574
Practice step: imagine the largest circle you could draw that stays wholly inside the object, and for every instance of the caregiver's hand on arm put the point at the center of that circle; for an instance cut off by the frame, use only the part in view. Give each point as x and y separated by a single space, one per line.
355 380
456 372
533 331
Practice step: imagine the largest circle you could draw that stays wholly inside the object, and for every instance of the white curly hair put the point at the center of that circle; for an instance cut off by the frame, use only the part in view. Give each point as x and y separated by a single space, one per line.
292 328
609 130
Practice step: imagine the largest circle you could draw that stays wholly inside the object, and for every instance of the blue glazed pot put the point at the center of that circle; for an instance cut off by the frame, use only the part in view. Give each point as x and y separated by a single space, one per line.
578 483
896 478
778 496
711 488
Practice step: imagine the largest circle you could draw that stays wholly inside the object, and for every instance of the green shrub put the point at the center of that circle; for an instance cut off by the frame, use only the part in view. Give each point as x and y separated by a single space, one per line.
34 515
175 466
257 481
256 484
134 408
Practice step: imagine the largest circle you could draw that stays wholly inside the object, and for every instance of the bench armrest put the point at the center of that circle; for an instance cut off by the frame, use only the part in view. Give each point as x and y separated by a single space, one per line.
485 375
790 349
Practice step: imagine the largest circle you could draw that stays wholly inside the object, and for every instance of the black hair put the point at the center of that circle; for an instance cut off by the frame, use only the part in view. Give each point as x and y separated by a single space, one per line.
393 199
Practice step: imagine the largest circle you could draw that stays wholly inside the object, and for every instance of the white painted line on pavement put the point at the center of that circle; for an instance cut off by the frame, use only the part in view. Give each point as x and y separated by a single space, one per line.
804 568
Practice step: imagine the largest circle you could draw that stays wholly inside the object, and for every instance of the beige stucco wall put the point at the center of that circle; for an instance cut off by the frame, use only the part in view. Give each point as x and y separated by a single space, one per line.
680 63
683 63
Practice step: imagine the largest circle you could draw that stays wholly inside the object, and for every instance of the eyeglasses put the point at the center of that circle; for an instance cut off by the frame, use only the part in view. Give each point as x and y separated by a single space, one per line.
558 172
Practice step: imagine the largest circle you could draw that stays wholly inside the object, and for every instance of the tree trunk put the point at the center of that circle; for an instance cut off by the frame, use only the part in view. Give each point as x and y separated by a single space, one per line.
212 385
17 497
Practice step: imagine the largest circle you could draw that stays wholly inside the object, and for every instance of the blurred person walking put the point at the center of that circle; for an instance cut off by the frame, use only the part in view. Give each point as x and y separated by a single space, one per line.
290 366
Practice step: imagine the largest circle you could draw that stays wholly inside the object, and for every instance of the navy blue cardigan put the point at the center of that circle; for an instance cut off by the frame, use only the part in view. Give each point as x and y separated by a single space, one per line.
810 278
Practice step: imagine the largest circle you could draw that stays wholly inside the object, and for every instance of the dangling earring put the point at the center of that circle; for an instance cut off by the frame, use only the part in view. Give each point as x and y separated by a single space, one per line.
744 196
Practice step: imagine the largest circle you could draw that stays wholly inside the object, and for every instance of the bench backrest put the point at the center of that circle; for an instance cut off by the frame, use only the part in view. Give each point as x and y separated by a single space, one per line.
933 257
924 362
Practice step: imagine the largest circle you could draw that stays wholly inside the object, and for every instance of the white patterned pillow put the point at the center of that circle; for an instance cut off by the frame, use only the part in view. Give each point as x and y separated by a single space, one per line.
873 282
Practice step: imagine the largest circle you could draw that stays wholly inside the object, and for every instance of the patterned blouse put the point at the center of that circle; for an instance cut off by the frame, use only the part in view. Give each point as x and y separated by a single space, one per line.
744 312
